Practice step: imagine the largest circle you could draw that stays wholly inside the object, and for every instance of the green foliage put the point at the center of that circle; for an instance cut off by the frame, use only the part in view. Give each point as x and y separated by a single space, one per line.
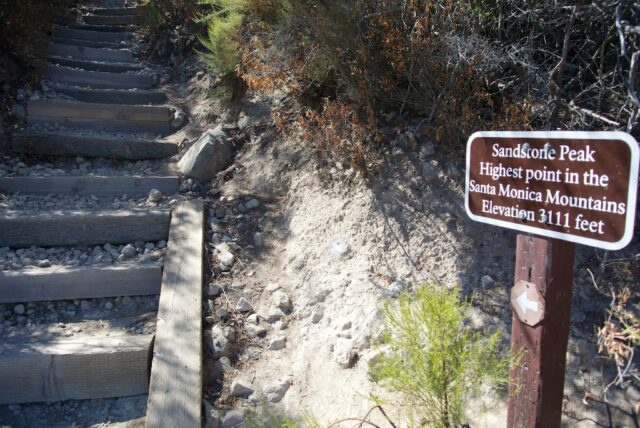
222 20
434 359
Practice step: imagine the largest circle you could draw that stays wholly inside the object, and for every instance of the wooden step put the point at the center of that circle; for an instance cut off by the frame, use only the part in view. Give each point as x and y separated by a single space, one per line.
111 96
112 19
98 79
91 54
108 67
115 11
62 283
82 227
124 29
175 388
133 186
88 43
56 369
90 146
101 117
84 34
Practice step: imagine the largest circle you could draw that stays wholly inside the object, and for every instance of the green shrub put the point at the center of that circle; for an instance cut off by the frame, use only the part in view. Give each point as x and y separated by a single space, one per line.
434 360
223 19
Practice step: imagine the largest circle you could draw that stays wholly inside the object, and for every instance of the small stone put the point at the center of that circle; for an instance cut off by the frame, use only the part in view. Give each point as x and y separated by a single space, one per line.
44 263
256 330
253 318
281 300
154 196
344 354
487 282
213 290
128 251
252 204
316 317
220 344
222 313
271 315
108 306
19 309
243 305
276 391
278 343
280 325
226 259
240 388
179 119
85 305
234 419
257 240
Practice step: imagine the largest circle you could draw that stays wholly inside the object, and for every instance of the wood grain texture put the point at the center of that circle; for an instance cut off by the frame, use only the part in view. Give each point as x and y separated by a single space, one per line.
81 33
88 53
34 370
112 96
98 79
109 67
56 109
83 227
112 19
135 186
88 43
64 144
175 390
60 283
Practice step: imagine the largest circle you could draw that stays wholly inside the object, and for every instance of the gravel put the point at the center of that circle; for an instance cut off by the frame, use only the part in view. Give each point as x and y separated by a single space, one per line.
107 254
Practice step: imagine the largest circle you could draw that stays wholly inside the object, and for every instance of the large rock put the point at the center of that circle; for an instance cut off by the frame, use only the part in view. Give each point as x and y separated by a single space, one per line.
208 156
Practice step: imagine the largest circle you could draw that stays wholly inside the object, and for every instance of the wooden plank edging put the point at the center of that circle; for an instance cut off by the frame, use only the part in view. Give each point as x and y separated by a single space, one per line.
85 282
35 369
175 390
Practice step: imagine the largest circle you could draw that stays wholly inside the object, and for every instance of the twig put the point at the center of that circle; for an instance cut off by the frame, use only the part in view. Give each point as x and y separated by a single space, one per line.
593 114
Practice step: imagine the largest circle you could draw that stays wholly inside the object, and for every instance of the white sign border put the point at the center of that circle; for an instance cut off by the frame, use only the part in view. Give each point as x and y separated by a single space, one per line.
578 135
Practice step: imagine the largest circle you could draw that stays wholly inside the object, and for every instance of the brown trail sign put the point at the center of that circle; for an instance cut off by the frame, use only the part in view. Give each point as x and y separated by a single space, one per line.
579 187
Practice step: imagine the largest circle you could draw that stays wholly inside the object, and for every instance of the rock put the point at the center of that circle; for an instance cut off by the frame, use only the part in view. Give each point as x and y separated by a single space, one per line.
19 309
256 330
208 156
271 315
128 251
276 391
85 305
234 419
44 263
220 345
179 119
252 204
154 196
19 111
316 317
213 290
243 305
222 313
281 300
241 388
254 319
108 306
226 259
211 416
257 239
430 170
223 248
277 343
344 354
487 282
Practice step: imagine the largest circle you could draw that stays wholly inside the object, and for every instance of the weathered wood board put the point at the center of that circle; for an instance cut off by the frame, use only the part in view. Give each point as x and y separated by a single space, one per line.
134 186
35 370
83 227
175 390
60 283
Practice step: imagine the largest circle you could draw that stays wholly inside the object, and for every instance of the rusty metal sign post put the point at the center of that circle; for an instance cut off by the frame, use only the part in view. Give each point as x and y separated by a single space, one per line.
566 187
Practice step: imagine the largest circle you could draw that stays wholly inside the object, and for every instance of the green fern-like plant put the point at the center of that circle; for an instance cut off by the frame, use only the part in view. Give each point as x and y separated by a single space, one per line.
223 19
433 359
